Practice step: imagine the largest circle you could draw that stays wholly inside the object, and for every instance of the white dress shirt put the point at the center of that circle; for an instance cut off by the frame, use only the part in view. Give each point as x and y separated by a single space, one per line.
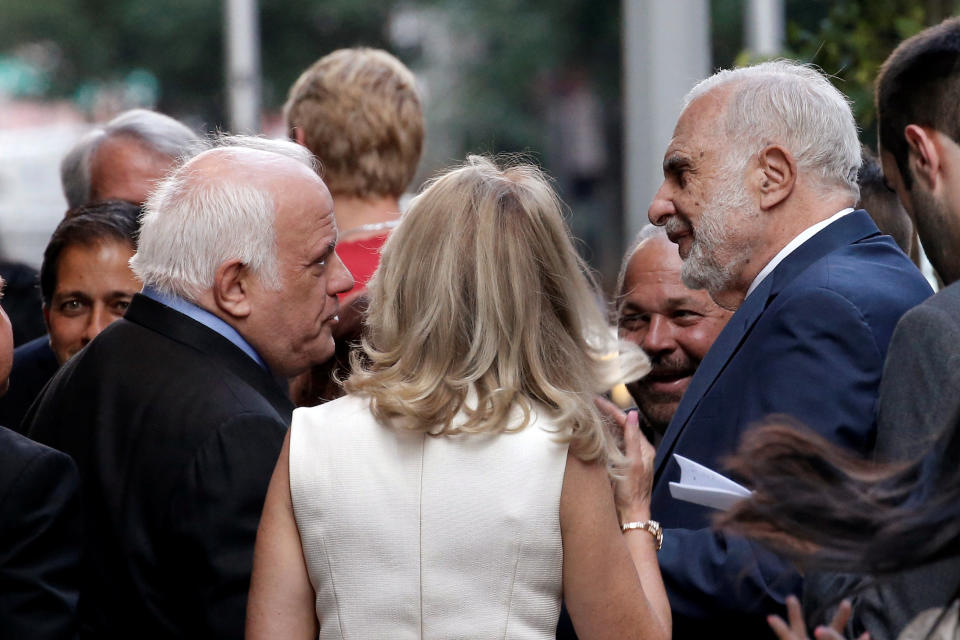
802 237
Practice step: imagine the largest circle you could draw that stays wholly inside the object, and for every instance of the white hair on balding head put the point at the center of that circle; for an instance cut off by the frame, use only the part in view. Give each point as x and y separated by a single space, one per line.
648 231
280 147
794 105
193 223
156 131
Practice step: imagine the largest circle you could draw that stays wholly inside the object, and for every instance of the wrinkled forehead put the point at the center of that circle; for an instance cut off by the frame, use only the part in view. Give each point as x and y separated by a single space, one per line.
272 172
304 210
704 117
655 258
241 161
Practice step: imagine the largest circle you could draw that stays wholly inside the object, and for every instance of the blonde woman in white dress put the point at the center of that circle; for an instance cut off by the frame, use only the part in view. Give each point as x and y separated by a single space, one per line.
462 488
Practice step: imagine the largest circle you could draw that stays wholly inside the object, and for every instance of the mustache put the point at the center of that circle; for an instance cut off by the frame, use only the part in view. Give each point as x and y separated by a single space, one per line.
669 367
676 224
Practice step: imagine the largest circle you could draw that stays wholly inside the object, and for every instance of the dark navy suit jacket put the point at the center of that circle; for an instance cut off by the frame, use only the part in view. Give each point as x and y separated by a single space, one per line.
809 342
34 363
40 541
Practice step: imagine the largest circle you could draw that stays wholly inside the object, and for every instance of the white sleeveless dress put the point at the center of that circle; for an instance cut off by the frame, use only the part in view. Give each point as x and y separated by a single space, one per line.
407 535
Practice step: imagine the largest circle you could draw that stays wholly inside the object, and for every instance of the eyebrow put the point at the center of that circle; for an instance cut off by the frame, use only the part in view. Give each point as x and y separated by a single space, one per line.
59 295
327 251
670 303
680 301
674 163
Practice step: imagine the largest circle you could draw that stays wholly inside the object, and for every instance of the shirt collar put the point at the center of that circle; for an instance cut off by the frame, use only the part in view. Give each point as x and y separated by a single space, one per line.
205 318
802 237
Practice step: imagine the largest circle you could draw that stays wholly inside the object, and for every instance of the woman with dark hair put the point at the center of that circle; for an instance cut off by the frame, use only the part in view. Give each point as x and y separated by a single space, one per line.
827 509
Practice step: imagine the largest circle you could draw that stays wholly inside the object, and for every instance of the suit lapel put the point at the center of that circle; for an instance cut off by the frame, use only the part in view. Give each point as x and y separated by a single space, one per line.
847 230
712 366
176 326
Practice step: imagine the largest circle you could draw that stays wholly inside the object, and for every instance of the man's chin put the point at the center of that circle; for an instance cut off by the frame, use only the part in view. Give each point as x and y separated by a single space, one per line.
657 408
324 352
657 416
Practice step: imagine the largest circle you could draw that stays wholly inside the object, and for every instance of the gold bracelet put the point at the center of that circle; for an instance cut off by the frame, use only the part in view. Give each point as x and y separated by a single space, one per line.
651 526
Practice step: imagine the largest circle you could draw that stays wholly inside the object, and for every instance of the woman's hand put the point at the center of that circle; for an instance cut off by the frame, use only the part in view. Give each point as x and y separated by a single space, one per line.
633 490
797 630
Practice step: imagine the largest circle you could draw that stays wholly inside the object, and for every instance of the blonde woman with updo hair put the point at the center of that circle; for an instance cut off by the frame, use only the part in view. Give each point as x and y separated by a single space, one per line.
462 487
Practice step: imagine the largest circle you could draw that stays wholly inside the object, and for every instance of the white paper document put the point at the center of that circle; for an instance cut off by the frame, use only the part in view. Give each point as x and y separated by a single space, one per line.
704 486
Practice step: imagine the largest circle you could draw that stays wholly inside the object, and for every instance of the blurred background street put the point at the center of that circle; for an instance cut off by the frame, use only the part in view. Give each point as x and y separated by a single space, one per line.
566 82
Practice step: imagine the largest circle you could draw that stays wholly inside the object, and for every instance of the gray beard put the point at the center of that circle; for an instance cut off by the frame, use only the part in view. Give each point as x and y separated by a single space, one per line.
701 271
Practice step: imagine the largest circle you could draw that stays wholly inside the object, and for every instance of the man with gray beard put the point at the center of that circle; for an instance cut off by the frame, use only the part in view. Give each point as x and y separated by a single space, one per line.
759 183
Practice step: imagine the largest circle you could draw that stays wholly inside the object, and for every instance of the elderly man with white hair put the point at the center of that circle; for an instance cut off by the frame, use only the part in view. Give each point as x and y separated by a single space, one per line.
759 183
125 158
176 413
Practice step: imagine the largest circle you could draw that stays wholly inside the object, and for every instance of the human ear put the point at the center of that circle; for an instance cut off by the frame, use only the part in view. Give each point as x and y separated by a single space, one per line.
778 175
923 157
299 136
231 287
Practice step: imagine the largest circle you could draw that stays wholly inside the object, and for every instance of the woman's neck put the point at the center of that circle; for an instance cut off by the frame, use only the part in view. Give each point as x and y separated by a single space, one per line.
353 214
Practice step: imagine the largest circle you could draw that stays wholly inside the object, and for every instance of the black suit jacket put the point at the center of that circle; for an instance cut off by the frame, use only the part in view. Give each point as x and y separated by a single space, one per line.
22 302
39 541
809 342
34 363
176 432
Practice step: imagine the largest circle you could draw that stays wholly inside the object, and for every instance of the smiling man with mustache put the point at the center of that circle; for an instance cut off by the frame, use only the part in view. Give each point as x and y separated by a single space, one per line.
674 325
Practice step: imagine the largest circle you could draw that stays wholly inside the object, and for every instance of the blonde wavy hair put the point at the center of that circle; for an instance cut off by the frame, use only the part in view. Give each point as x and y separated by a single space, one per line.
480 291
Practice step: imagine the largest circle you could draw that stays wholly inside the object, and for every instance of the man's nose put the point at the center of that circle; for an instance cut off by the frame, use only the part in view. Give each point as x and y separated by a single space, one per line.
659 337
100 317
340 280
660 208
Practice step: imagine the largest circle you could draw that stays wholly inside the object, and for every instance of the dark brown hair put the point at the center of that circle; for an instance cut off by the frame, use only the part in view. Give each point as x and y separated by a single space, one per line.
89 224
919 83
882 203
827 508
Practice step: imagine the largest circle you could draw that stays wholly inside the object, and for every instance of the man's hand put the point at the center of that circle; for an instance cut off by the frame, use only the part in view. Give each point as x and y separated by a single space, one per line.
797 630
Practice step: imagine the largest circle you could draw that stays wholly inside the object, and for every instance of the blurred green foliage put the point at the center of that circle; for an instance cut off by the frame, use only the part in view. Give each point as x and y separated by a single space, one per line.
850 39
506 59
525 46
510 58
180 42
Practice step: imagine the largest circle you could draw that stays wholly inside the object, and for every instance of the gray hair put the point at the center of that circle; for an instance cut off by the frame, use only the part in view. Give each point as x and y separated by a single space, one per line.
794 105
156 131
192 224
648 231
